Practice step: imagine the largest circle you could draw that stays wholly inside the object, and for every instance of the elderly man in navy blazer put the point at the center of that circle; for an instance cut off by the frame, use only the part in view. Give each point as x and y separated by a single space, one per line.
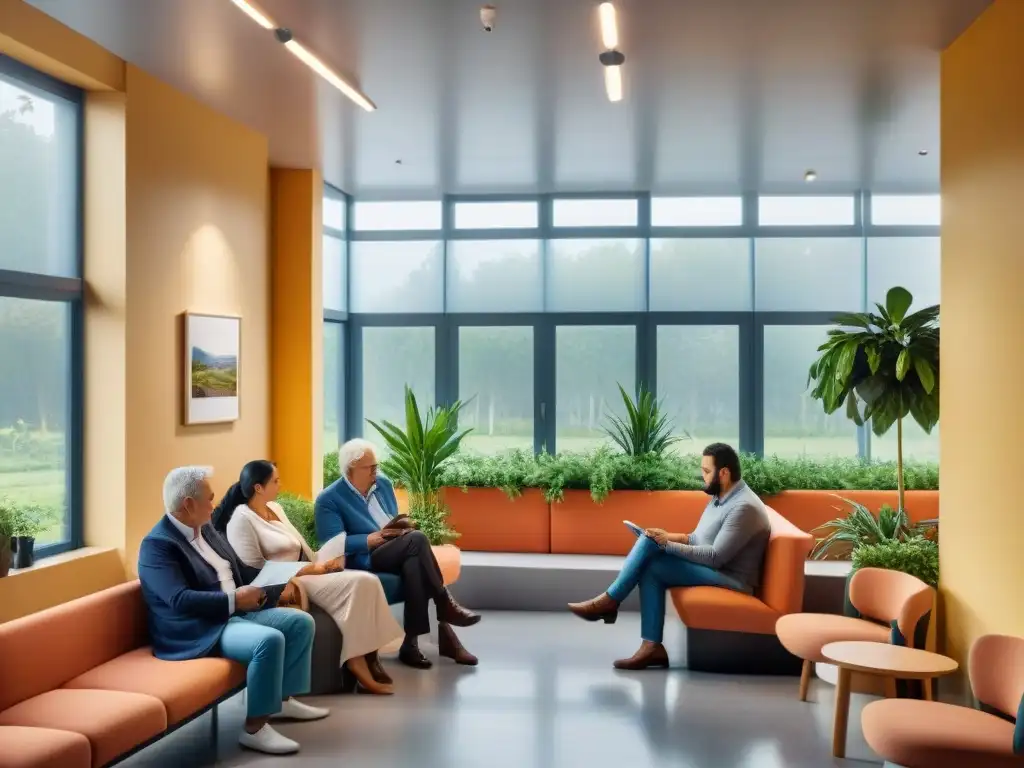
358 506
199 603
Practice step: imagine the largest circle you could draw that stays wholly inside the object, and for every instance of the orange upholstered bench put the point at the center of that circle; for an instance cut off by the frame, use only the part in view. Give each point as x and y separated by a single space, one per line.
81 687
731 632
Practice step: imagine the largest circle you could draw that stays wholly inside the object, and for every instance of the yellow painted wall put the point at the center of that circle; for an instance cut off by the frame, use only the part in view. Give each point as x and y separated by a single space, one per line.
297 332
982 566
197 191
177 218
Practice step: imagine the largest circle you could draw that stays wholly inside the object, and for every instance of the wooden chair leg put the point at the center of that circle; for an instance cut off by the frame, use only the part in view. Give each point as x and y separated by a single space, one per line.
805 678
929 690
890 687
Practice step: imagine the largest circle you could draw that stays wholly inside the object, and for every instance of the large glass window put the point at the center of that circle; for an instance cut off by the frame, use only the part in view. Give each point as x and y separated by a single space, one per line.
699 383
393 358
806 211
590 362
397 216
496 215
700 275
334 386
795 424
35 400
495 276
569 212
913 262
696 211
906 210
39 194
496 383
918 445
595 276
823 274
335 277
401 276
40 300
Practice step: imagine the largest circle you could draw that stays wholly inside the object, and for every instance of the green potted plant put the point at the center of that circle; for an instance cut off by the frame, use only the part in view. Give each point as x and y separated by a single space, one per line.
299 512
646 429
858 527
6 535
916 555
417 455
883 368
24 523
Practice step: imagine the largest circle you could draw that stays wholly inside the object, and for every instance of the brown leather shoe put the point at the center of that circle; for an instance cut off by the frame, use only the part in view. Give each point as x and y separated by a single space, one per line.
601 608
450 647
450 612
377 669
412 656
649 656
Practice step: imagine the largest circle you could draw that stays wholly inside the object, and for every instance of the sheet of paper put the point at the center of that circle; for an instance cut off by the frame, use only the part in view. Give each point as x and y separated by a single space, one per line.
277 573
332 549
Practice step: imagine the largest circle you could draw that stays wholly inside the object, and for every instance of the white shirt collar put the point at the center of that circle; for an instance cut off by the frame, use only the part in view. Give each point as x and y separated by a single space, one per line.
367 495
190 533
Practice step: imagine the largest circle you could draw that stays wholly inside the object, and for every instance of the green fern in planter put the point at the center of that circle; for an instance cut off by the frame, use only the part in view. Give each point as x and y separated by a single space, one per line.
860 527
917 556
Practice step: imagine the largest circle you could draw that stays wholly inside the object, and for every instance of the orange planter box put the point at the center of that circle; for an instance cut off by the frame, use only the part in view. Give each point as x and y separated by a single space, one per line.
580 526
809 509
490 521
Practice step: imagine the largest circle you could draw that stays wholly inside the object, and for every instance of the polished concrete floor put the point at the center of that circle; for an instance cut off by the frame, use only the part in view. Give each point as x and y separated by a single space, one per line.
545 696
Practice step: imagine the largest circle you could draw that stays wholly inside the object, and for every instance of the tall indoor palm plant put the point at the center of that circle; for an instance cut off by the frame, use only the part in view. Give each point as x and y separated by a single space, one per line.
417 453
883 367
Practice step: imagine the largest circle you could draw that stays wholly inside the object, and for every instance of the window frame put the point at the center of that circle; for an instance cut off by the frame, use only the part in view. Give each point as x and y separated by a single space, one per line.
751 323
65 290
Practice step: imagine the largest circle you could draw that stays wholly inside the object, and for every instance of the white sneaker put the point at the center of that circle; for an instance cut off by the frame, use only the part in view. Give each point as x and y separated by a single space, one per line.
292 709
269 741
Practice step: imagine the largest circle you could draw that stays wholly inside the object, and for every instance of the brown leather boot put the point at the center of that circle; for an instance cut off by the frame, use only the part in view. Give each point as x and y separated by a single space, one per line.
649 656
450 612
450 647
601 608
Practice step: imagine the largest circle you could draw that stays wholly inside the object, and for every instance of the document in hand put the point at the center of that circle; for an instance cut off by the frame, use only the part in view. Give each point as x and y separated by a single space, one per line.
277 573
633 527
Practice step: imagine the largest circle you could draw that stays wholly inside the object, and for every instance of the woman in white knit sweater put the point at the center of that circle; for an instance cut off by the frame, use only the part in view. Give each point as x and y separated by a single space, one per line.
258 530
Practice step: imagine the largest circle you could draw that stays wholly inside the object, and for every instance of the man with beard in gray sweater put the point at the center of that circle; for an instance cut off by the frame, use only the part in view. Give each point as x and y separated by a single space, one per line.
725 550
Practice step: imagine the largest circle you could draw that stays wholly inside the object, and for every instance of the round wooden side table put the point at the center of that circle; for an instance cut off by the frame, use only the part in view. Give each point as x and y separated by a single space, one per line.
884 660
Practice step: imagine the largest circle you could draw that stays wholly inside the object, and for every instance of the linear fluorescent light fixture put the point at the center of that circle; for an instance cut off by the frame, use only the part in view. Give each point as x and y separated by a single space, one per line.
304 55
611 57
609 26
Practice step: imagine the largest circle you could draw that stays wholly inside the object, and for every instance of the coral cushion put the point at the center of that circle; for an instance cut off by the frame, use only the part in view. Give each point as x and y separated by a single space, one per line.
184 687
805 634
114 722
43 748
927 734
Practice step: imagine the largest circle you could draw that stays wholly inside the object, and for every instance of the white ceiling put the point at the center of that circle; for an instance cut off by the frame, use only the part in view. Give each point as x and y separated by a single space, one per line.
721 95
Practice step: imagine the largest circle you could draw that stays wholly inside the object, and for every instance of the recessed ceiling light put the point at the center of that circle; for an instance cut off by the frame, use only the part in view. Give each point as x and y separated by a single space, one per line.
810 175
922 152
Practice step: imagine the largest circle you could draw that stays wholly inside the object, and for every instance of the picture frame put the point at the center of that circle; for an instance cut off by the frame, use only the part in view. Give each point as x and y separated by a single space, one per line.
213 345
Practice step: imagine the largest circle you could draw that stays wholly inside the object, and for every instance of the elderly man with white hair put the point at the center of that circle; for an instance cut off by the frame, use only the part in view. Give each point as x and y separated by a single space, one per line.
359 507
200 603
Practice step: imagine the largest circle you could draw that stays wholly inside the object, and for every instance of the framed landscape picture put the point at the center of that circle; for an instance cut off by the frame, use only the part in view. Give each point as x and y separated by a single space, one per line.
212 345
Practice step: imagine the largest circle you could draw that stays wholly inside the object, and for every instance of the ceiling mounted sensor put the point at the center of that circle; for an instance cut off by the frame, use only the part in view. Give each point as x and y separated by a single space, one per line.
488 16
810 175
303 54
611 58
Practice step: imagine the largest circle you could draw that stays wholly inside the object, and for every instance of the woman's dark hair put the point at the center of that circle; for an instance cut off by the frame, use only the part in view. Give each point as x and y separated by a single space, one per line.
254 473
725 458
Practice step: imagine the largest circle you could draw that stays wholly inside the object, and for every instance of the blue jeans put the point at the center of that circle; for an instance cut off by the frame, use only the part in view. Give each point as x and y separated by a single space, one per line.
655 571
276 647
